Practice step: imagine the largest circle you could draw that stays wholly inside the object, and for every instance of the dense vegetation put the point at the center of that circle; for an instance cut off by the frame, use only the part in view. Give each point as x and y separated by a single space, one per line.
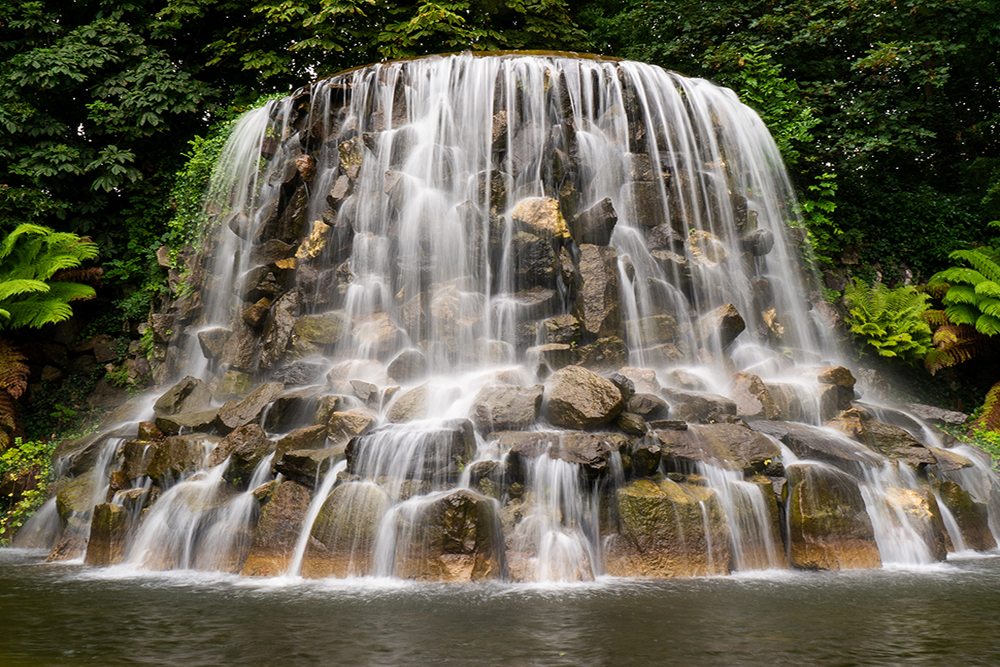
887 111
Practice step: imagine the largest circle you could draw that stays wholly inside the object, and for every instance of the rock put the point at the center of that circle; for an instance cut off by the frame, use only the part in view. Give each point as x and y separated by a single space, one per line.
752 398
787 399
408 366
342 426
596 224
292 408
552 356
212 341
277 531
309 437
948 460
591 451
541 216
234 384
200 421
148 431
937 416
835 375
828 525
644 203
810 442
505 407
598 302
920 511
727 446
643 379
316 334
758 242
411 405
890 441
721 326
234 414
456 537
604 354
562 329
299 373
135 457
308 466
245 448
972 517
686 380
706 249
352 154
699 405
277 330
270 251
648 406
314 244
179 456
256 313
435 453
188 395
666 529
108 535
581 399
534 261
378 334
632 424
345 530
654 330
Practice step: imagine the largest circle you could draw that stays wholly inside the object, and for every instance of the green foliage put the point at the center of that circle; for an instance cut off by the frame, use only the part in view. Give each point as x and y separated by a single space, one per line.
25 473
817 207
30 258
889 320
973 297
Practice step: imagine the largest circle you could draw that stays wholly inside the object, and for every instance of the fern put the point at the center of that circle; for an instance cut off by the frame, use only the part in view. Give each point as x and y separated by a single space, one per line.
989 419
973 296
956 344
13 383
889 320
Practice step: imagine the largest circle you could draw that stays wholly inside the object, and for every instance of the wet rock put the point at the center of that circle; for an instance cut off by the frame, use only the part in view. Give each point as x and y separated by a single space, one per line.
655 330
552 356
596 224
644 203
342 426
920 511
686 380
541 216
706 249
411 405
631 424
188 395
234 384
277 330
378 333
308 437
752 398
135 457
643 379
591 451
299 373
270 251
316 334
727 446
666 529
505 407
200 421
604 354
890 441
581 399
345 531
408 366
788 400
948 460
649 406
76 457
598 303
663 237
212 341
245 448
699 406
562 329
235 414
179 456
339 191
256 313
937 416
277 531
828 525
810 442
721 326
292 408
758 243
534 260
645 457
456 537
972 517
108 535
436 453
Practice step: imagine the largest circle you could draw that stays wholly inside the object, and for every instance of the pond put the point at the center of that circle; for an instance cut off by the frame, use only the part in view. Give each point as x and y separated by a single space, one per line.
70 614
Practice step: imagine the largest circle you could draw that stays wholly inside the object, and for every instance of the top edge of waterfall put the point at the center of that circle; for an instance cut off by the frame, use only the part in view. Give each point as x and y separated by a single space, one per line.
503 55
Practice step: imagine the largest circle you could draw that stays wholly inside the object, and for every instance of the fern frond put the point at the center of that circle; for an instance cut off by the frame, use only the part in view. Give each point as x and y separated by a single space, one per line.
10 288
88 276
958 274
934 317
956 344
960 294
990 418
983 259
13 369
988 325
988 288
22 230
38 313
962 314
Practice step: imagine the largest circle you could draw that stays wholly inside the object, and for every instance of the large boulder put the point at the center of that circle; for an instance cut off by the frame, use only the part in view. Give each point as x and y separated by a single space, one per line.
752 397
581 399
454 537
591 451
292 408
598 303
344 425
828 525
506 407
315 334
890 441
245 448
179 456
699 406
822 444
108 535
345 531
541 216
188 395
187 422
277 530
435 453
667 529
721 326
971 516
234 414
727 446
596 224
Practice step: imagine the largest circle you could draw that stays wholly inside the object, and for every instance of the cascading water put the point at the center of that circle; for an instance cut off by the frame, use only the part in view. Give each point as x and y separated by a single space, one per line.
528 317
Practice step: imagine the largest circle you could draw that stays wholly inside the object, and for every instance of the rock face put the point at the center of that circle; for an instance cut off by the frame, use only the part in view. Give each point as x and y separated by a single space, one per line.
722 445
108 535
668 529
277 531
828 526
503 407
344 532
581 399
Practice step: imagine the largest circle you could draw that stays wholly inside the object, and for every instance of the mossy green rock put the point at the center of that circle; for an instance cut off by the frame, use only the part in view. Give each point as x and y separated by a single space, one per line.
667 529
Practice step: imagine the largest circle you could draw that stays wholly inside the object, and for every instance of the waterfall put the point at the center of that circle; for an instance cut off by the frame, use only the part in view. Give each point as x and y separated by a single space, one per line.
540 318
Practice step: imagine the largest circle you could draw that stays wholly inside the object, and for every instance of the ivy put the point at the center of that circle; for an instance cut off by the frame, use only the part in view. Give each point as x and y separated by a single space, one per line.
25 474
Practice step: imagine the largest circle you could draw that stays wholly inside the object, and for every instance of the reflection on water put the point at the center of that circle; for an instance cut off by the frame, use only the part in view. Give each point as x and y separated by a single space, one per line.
72 615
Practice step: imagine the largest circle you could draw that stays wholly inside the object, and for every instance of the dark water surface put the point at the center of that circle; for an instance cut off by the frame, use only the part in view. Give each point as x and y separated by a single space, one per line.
74 615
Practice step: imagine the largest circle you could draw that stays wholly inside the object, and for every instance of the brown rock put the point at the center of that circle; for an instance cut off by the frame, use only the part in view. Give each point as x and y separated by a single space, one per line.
581 399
